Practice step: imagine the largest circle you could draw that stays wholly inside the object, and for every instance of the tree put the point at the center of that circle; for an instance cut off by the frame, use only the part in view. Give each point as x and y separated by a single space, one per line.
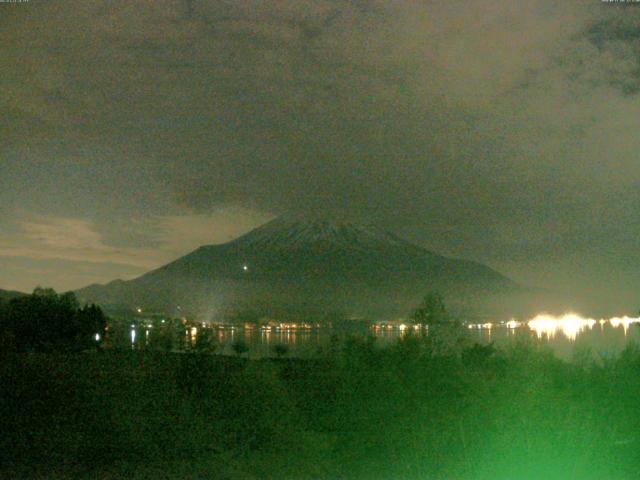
431 310
7 342
165 337
280 349
446 335
46 321
91 324
205 342
240 347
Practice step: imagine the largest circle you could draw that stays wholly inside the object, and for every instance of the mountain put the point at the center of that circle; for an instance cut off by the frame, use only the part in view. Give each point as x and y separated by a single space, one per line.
9 294
293 266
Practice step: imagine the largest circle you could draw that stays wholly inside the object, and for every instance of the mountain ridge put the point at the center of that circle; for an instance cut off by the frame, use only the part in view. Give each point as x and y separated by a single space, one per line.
9 294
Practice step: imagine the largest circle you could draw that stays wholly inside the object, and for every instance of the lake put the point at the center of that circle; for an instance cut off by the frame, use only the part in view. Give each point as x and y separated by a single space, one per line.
566 335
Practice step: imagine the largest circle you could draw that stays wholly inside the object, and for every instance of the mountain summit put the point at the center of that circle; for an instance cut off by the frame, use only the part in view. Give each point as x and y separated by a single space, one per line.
297 266
296 233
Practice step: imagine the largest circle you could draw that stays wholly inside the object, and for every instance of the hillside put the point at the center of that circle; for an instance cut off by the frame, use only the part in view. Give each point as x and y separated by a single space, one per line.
9 294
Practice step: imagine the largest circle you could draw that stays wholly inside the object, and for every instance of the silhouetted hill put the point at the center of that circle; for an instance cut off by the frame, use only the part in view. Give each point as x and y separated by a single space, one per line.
9 294
292 266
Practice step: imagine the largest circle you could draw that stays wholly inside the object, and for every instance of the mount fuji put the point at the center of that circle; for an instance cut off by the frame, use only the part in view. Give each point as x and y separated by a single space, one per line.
301 267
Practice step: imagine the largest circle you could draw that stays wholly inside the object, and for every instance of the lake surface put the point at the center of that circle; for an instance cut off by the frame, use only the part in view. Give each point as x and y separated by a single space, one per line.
567 336
603 338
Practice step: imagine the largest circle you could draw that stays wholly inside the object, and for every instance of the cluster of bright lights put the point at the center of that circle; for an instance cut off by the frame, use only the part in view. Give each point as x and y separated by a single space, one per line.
481 326
570 324
625 321
402 327
513 324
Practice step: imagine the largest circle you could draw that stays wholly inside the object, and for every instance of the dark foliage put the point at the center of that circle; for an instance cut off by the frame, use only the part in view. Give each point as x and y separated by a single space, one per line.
431 310
45 321
280 350
240 347
205 342
359 412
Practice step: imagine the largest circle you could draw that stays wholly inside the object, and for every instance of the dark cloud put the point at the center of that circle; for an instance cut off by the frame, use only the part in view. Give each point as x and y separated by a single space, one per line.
501 132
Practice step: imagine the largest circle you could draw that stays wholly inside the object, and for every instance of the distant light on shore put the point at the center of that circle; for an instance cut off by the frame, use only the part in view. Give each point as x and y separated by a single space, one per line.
571 324
625 321
513 324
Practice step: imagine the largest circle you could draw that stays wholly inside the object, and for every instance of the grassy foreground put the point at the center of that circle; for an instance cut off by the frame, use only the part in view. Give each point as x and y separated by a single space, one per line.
360 412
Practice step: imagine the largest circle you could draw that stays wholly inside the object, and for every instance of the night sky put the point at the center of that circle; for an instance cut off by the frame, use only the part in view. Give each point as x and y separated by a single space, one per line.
502 132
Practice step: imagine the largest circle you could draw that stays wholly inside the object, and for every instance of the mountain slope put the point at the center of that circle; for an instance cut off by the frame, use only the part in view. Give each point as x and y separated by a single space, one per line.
299 266
9 294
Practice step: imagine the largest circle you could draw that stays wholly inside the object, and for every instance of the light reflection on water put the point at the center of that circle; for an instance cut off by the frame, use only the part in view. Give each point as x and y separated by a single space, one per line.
561 333
568 334
569 324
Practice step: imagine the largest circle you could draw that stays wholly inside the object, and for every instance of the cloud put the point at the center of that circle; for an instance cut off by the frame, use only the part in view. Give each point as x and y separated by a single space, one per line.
79 245
182 233
489 130
24 273
70 239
